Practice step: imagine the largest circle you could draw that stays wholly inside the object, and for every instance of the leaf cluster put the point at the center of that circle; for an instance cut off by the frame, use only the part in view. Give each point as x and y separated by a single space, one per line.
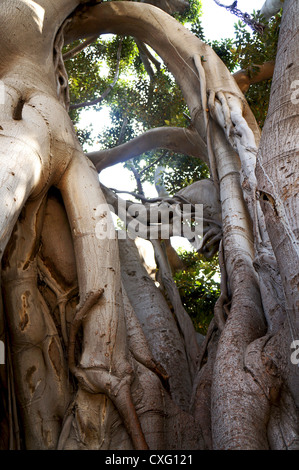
199 288
256 49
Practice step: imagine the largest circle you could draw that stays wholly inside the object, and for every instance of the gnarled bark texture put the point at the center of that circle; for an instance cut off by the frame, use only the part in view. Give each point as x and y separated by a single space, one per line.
97 357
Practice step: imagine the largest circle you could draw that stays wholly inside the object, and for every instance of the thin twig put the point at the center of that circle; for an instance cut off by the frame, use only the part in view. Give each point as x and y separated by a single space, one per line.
152 164
137 178
73 52
142 197
122 130
254 25
108 89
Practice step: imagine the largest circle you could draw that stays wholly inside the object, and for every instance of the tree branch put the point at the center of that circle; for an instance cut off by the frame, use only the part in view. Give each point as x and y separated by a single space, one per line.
247 77
178 139
270 8
73 52
108 89
122 130
153 59
151 164
254 25
143 198
137 178
147 58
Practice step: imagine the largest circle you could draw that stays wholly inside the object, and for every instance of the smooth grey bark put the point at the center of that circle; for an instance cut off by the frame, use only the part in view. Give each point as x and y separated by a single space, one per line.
157 322
181 140
271 7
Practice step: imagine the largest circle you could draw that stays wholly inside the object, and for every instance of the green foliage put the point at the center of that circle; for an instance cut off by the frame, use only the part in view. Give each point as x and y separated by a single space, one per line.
191 14
256 49
185 171
197 29
139 102
245 51
199 288
225 50
85 74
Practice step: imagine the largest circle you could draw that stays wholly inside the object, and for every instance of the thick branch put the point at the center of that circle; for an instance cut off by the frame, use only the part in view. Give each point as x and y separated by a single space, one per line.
170 6
271 7
181 140
177 47
255 74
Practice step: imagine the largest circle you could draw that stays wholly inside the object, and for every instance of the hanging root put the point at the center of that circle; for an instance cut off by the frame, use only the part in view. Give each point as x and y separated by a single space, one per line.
82 310
62 296
98 380
227 110
210 242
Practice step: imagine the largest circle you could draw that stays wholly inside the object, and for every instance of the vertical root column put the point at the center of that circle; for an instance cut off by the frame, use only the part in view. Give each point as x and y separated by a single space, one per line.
41 382
103 366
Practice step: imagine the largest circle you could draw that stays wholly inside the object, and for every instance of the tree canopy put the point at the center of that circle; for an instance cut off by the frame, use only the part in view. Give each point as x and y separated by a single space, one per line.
128 77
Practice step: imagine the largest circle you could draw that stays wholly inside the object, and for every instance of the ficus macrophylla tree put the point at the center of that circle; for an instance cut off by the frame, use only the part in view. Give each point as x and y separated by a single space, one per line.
95 356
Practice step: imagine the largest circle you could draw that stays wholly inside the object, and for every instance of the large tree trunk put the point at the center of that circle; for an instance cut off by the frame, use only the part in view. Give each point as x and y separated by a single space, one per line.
96 356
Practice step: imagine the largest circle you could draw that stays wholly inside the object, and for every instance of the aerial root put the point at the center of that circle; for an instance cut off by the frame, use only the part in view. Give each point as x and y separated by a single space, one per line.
210 242
82 310
61 295
262 368
97 380
159 370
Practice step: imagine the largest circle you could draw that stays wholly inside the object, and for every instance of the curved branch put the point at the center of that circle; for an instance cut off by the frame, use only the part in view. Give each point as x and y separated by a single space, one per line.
271 7
247 77
178 47
178 139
